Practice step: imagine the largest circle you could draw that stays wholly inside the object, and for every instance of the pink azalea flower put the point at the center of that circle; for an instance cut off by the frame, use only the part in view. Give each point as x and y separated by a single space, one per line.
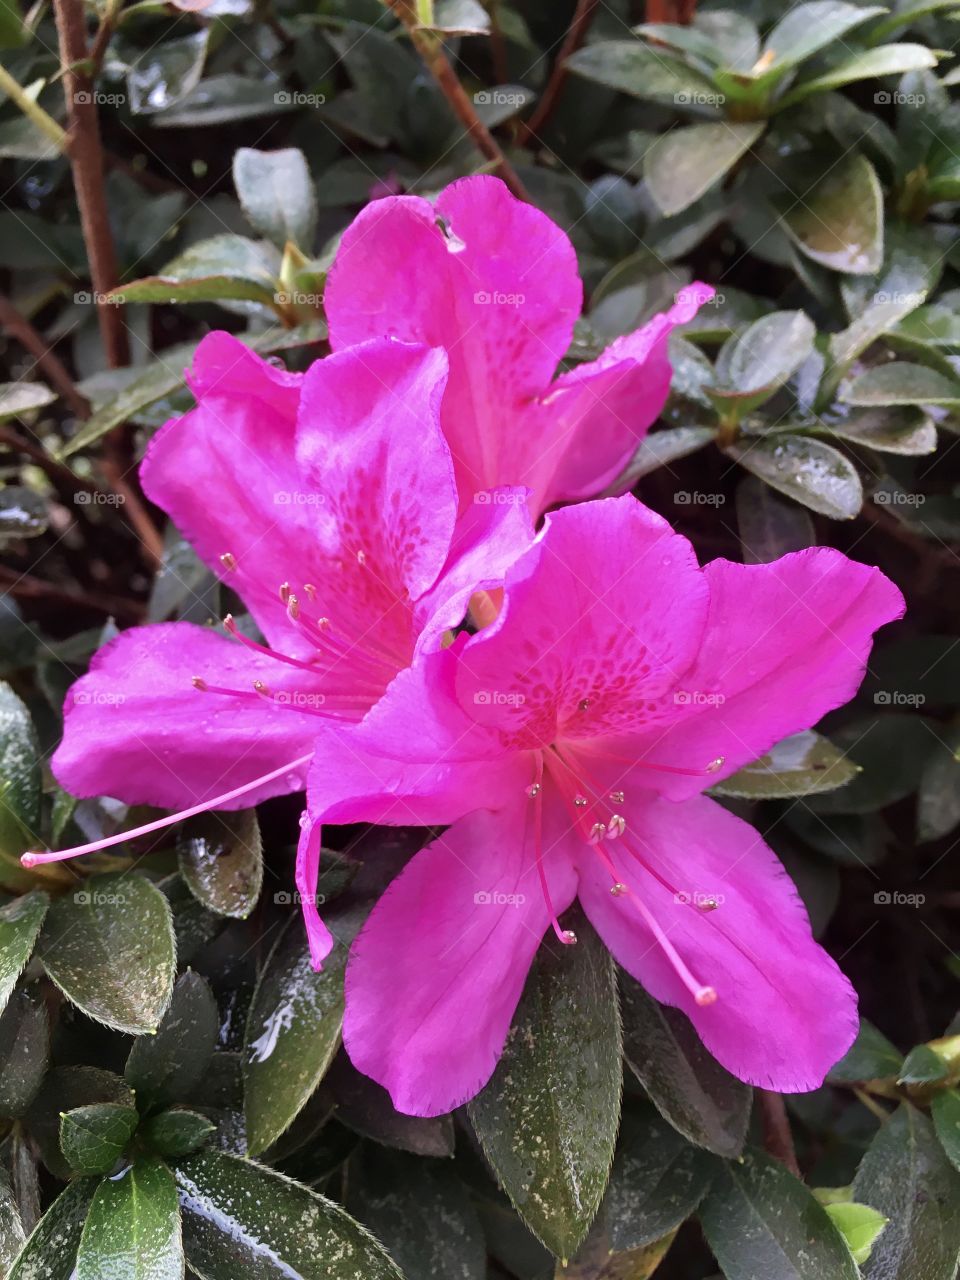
494 282
327 501
569 745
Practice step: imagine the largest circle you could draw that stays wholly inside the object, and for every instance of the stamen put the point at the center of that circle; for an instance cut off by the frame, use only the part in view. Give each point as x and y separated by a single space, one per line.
198 682
618 889
583 704
34 859
229 561
616 826
566 936
310 591
293 608
580 801
712 767
707 904
597 832
284 592
262 689
361 557
230 625
617 797
533 789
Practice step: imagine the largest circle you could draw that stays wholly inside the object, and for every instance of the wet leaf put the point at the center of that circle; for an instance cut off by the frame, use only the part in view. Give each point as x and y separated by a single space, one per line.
839 223
177 1132
23 513
870 1057
221 860
19 780
20 398
20 923
800 765
165 1067
660 448
906 1176
94 1137
909 432
901 383
133 1229
938 797
683 164
277 194
110 949
64 1089
767 352
24 1050
760 1220
293 1031
547 1121
244 1222
698 1097
51 1251
806 470
167 72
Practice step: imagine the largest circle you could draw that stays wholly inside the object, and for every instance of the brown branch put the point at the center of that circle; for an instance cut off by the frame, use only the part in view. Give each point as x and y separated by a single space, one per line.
26 587
58 472
579 26
430 47
19 327
681 12
777 1138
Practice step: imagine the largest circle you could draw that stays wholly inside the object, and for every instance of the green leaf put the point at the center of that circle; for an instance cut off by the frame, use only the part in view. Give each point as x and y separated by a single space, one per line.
63 1089
221 859
870 1057
807 28
547 1121
633 67
51 1251
892 750
945 1111
167 72
806 470
901 383
686 162
938 797
923 1065
177 1132
93 1138
293 1031
800 765
133 1229
660 448
110 949
760 1220
165 1067
690 1089
24 1051
770 527
839 223
225 267
12 30
277 194
166 376
657 1181
19 398
244 1222
19 780
23 513
224 99
422 1214
870 64
12 1233
910 432
906 1176
859 1225
20 923
767 352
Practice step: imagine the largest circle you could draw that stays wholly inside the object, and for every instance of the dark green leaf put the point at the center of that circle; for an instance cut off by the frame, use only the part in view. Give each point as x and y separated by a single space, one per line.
110 949
767 352
221 859
660 448
24 1051
177 1132
20 923
892 749
807 470
244 1222
19 778
938 797
689 1088
94 1137
635 68
760 1220
908 1178
807 28
293 1030
51 1251
840 222
909 432
923 1065
64 1089
685 163
800 765
769 526
548 1119
277 194
165 1067
945 1110
133 1229
870 1057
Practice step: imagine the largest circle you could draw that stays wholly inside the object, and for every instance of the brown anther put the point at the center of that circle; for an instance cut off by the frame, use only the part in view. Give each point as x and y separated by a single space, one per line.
262 689
618 889
198 682
310 591
580 801
617 797
284 592
293 608
714 765
533 789
229 561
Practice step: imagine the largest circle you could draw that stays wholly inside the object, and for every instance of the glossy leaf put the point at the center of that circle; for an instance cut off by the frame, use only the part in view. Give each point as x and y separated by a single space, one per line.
133 1229
760 1220
24 1050
806 470
906 1176
800 765
547 1121
51 1251
19 778
94 1137
277 194
177 1132
63 1089
685 163
901 383
244 1222
909 432
19 398
293 1031
690 1089
868 64
20 923
165 1067
221 859
945 1113
167 72
840 222
767 352
110 949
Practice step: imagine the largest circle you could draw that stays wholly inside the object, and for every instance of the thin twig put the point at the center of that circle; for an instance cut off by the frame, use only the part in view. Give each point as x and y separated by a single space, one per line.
19 327
777 1138
26 587
58 472
576 34
430 47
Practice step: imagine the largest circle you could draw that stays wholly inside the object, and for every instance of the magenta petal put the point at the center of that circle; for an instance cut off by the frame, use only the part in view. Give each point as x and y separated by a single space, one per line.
319 938
242 434
435 976
784 1012
135 727
785 643
498 288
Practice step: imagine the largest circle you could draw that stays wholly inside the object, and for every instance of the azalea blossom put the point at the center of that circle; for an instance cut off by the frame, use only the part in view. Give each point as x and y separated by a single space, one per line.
327 502
494 281
569 745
